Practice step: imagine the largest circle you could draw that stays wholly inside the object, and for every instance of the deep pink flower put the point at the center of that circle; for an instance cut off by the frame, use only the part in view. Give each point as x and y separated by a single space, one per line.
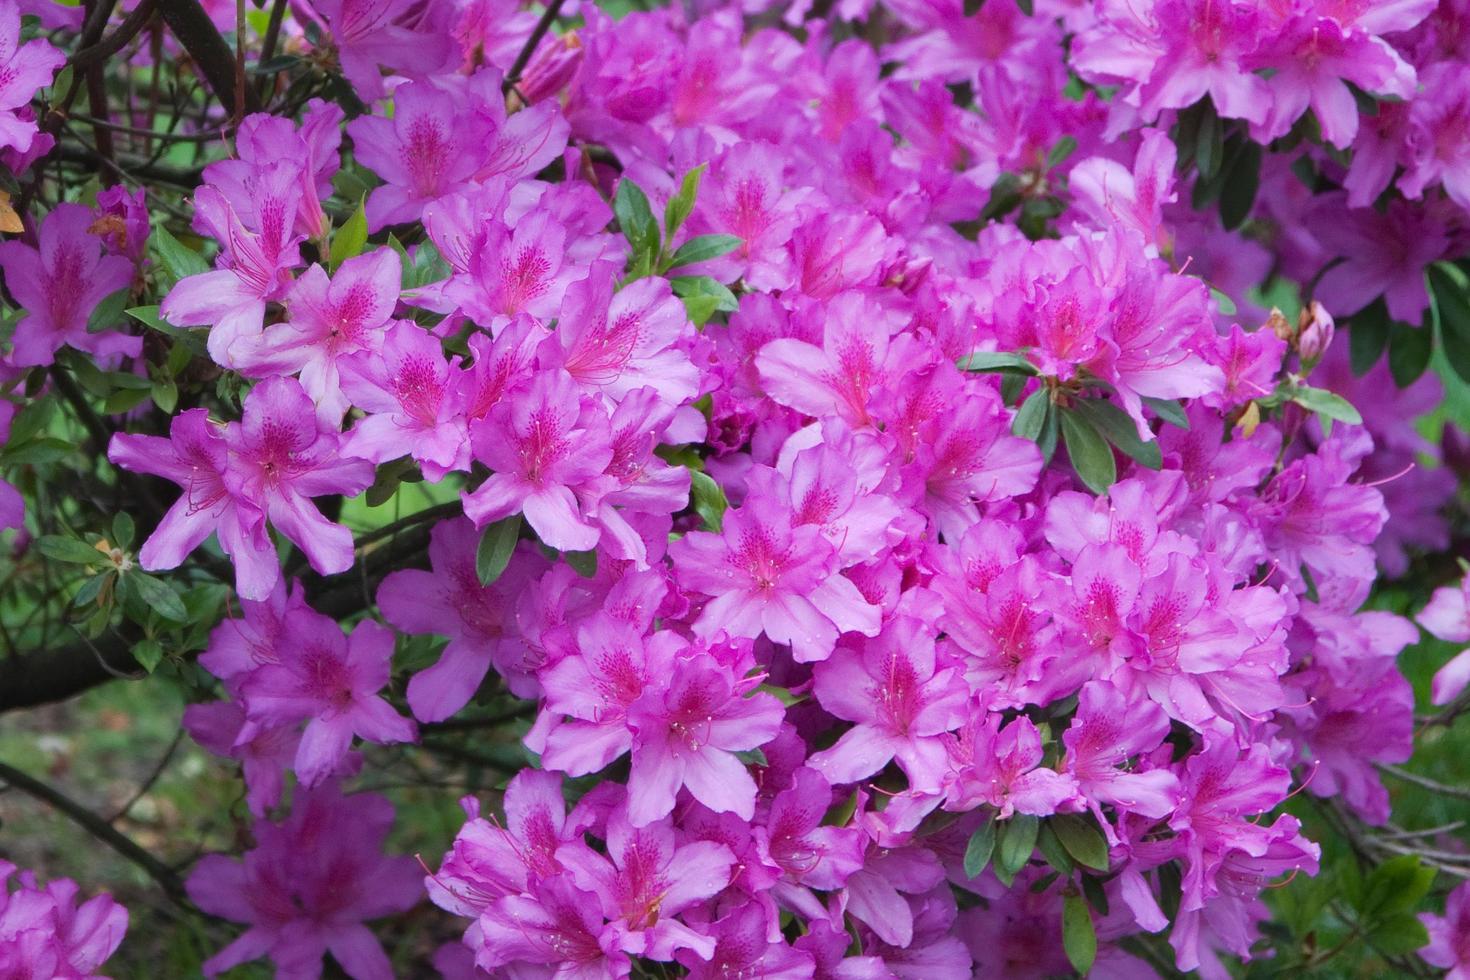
479 620
1002 767
24 68
686 734
765 576
545 443
1449 935
281 456
901 701
1447 616
332 682
59 285
308 886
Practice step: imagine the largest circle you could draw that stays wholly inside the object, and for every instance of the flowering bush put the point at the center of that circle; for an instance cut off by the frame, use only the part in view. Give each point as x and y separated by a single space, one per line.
852 490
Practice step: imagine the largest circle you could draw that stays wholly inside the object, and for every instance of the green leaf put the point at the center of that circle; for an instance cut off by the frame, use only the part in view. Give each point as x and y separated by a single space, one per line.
165 396
708 500
1016 842
1082 839
782 694
584 563
703 297
1238 193
1325 403
1051 848
122 529
124 400
1399 935
1097 897
1210 150
681 205
1079 938
60 548
1005 197
1225 303
1031 416
970 8
1409 349
178 260
1453 310
1396 886
497 544
108 314
1064 148
1368 332
1027 7
1011 385
635 218
1168 410
348 241
998 360
980 847
1092 458
32 420
159 596
148 653
1118 429
704 248
148 316
91 589
752 757
37 451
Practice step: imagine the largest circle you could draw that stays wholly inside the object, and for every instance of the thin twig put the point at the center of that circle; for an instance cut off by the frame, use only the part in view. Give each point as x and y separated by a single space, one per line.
153 777
98 828
1423 782
529 48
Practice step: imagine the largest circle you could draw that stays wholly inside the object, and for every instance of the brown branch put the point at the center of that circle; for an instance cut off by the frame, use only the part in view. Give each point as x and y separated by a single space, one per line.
213 58
130 28
529 48
98 828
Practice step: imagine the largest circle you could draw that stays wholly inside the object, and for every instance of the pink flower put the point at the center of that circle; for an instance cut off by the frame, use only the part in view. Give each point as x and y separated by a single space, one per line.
369 34
1206 47
59 284
12 505
765 576
901 701
196 456
685 735
744 947
254 263
647 879
1108 731
329 319
281 456
45 933
24 68
1447 616
308 886
332 682
410 392
1002 767
1383 254
1449 935
478 620
544 443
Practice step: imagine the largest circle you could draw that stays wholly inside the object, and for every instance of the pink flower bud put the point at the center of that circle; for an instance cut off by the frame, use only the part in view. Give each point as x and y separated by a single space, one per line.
1314 332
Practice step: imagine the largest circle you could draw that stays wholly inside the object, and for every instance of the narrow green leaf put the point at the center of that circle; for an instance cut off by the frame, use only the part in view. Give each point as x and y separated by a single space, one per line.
584 563
980 847
497 544
970 8
122 529
1399 934
1395 886
148 653
1409 349
1079 938
1238 193
997 360
708 500
159 596
1325 403
1092 458
37 451
1082 839
1210 150
108 314
1064 148
635 218
1115 426
1016 842
124 400
753 757
1225 303
1031 416
1011 385
703 297
60 548
704 248
1168 410
1051 848
178 260
91 589
348 241
1368 331
681 205
1452 307
165 395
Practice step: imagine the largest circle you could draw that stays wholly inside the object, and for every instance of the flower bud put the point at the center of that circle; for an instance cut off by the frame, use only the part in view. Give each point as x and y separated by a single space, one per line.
1314 332
551 69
